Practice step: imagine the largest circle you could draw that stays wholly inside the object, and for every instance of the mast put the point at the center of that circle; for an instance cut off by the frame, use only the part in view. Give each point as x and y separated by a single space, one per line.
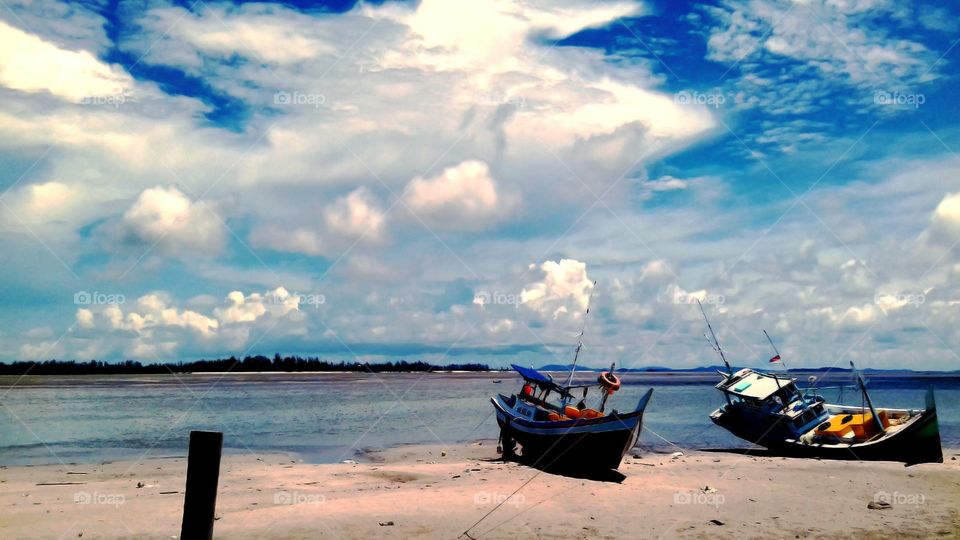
716 344
863 388
576 354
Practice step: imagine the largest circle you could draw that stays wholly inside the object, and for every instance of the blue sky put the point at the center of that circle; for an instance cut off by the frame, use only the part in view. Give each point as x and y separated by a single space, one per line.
442 181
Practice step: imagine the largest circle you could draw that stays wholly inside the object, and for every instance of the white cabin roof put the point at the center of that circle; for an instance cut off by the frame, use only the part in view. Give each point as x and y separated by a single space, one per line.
754 385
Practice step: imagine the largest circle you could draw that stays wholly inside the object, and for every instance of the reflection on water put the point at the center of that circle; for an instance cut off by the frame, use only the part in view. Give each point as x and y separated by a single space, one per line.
330 417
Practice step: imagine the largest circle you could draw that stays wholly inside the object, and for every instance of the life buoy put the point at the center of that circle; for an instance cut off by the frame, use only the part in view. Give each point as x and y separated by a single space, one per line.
609 381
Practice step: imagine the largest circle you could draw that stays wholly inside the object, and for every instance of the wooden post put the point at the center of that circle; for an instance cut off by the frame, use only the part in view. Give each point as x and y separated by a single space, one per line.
200 495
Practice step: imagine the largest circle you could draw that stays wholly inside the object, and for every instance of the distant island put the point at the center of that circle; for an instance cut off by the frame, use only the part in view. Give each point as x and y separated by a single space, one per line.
712 369
289 364
246 365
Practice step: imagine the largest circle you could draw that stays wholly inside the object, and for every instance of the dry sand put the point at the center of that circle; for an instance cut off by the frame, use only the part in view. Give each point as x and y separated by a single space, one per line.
431 492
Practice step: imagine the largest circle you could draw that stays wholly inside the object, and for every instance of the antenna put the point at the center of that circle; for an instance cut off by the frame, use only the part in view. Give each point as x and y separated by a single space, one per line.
583 327
716 344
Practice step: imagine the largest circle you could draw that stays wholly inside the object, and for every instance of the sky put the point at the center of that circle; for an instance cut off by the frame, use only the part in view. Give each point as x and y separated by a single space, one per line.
445 181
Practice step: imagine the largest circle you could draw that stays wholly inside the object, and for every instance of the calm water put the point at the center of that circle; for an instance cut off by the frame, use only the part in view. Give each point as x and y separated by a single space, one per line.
331 417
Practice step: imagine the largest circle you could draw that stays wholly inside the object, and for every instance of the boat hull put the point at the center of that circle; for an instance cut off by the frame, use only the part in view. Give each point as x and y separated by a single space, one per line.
918 442
583 444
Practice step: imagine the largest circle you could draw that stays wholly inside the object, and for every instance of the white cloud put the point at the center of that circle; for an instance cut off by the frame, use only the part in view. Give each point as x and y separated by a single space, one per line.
461 197
351 221
564 289
795 60
154 327
166 218
945 221
242 308
30 64
355 215
836 39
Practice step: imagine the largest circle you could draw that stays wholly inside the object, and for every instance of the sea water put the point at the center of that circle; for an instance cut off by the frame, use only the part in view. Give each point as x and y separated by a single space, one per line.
329 417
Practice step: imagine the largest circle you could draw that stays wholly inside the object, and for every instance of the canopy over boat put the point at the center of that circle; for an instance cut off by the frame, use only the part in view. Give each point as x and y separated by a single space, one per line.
754 385
531 374
542 380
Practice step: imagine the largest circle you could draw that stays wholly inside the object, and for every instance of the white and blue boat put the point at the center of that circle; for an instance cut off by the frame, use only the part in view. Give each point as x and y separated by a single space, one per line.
541 425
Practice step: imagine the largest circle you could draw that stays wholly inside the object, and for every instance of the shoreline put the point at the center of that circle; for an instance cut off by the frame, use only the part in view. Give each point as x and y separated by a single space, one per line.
429 491
369 454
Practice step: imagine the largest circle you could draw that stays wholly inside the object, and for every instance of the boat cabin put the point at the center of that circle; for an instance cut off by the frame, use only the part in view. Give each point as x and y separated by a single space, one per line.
769 394
532 400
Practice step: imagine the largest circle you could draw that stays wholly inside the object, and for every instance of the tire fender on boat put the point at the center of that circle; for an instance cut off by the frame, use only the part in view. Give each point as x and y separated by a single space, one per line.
609 381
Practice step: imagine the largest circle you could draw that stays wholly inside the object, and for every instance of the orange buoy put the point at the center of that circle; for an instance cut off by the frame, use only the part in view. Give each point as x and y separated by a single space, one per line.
590 413
571 411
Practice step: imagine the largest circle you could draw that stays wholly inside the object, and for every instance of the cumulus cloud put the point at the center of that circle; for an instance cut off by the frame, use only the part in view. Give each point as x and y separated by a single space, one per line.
945 221
166 218
31 64
249 308
485 122
461 197
355 215
564 289
154 325
349 221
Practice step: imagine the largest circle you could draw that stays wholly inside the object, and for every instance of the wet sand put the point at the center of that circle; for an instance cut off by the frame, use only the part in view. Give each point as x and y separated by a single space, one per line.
434 492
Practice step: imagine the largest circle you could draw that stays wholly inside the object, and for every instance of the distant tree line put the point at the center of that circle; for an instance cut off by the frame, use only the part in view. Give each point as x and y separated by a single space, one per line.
247 365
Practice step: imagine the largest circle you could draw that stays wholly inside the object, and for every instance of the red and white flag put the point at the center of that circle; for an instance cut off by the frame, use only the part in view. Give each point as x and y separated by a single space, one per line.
775 359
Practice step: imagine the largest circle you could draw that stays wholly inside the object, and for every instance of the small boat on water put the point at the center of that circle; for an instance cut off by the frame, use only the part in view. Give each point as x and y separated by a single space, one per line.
562 435
771 411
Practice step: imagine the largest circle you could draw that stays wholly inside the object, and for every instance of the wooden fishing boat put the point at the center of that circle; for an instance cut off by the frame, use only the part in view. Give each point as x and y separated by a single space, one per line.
770 411
562 435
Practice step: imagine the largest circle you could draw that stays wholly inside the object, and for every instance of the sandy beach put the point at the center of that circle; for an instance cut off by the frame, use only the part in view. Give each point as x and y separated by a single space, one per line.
434 492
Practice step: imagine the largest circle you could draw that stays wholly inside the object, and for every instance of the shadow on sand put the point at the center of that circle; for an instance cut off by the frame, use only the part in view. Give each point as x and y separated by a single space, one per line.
756 452
583 473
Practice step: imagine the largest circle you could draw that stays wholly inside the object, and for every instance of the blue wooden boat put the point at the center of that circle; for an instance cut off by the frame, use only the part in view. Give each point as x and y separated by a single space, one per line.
558 434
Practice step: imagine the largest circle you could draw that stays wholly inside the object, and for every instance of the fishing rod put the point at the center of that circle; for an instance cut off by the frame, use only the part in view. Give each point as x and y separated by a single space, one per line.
583 327
716 343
